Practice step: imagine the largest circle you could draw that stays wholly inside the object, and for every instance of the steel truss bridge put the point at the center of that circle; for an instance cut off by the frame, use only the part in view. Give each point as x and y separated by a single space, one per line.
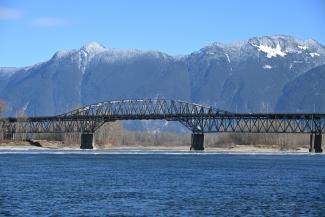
197 118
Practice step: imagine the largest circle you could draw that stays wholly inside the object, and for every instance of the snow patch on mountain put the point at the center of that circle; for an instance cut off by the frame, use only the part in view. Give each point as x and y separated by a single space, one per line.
112 55
313 54
62 54
93 47
24 108
82 61
266 66
270 51
227 57
303 47
87 52
291 66
230 46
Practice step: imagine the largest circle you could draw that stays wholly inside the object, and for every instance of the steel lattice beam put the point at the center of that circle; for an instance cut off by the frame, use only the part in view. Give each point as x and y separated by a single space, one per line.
197 118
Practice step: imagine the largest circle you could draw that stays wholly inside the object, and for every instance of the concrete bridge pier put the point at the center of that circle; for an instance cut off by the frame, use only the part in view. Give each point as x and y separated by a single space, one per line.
316 143
197 142
311 143
87 141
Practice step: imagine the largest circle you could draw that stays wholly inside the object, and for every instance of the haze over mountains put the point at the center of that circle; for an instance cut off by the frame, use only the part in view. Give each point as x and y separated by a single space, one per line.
276 73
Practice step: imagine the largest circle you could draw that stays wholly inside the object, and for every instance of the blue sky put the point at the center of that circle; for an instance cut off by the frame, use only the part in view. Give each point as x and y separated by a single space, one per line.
32 31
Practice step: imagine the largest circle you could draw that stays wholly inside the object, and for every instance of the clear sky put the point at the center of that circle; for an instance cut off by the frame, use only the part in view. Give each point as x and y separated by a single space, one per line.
31 31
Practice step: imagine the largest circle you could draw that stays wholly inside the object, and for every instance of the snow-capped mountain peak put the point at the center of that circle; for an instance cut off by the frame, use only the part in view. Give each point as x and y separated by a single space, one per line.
87 52
93 47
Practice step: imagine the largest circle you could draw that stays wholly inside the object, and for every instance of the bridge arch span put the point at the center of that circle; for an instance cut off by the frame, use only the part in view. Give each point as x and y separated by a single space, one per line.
144 107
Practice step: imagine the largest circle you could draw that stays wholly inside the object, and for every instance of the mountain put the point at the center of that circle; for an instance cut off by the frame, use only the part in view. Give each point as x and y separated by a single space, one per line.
258 74
305 93
250 75
129 74
92 74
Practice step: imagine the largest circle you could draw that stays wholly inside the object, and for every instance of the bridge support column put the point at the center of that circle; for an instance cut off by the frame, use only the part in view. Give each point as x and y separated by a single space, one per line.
311 143
318 143
197 142
87 141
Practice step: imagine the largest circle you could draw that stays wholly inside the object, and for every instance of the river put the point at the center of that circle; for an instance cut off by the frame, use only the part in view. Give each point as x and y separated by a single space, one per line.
138 183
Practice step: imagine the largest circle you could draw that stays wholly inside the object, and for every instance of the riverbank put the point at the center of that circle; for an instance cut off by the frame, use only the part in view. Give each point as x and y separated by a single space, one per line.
48 145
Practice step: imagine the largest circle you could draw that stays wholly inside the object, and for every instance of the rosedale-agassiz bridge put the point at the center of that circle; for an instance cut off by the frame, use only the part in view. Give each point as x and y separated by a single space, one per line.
199 119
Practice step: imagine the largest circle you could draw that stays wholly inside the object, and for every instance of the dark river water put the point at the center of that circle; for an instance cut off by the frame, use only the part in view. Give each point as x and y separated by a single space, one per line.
160 184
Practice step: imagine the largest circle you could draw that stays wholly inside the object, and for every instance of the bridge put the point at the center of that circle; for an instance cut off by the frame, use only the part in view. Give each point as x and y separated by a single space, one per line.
199 119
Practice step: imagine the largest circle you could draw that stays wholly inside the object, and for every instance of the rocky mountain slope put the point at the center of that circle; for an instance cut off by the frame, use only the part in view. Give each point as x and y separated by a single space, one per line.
257 75
304 93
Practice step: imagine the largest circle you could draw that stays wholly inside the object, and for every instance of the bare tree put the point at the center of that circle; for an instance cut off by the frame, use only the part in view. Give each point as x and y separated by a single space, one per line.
22 115
3 107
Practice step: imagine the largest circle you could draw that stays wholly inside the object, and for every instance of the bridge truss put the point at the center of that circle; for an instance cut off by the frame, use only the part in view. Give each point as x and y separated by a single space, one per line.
197 118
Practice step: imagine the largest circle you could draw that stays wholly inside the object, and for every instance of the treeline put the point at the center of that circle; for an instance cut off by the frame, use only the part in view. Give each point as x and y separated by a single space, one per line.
113 134
282 141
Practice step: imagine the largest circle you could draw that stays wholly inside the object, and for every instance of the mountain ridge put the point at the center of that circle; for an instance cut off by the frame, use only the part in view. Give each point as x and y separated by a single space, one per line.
247 76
